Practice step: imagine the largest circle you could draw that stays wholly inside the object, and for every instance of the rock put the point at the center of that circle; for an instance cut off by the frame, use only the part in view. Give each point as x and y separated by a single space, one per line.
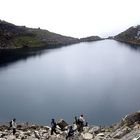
127 129
11 137
121 132
47 127
101 134
95 129
62 124
132 118
37 134
138 138
87 136
86 129
137 126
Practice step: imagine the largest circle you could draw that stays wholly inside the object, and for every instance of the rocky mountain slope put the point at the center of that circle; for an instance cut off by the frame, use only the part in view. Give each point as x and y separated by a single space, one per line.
127 129
12 36
131 35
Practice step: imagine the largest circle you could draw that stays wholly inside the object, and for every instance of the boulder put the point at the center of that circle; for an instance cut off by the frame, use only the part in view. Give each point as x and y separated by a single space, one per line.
121 132
37 134
95 130
11 137
132 118
87 136
62 124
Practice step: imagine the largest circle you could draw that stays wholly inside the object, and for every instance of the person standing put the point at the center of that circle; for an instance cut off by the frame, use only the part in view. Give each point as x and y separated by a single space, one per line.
53 126
81 123
14 125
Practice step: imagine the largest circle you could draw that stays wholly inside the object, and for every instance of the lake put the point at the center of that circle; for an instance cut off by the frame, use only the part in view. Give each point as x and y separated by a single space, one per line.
100 80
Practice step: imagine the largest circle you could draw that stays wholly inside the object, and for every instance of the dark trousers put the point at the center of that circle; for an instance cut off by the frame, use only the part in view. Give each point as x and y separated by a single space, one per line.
14 131
69 135
53 130
80 126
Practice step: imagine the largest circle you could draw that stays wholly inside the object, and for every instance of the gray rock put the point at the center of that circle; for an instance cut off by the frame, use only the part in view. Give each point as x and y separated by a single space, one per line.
87 136
62 124
121 132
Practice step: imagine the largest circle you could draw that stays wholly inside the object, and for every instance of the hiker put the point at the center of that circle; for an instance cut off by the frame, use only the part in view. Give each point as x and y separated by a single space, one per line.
70 132
76 121
13 125
81 122
53 126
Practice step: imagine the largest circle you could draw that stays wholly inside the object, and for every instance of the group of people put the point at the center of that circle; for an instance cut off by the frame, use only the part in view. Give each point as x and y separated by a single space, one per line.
79 122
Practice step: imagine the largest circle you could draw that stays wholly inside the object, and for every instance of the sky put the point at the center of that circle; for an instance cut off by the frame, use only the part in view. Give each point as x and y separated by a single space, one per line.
77 18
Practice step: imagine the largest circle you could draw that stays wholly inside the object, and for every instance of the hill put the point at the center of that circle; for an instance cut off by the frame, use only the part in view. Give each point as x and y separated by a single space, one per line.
131 35
90 39
12 36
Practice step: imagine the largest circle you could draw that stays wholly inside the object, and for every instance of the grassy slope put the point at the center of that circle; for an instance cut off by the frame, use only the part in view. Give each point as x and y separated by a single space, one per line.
12 36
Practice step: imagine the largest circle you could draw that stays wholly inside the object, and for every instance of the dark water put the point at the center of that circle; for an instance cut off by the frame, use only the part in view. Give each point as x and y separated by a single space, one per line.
100 80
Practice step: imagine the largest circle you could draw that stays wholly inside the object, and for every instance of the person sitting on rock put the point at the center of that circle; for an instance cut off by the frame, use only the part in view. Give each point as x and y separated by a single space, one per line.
14 125
53 126
70 132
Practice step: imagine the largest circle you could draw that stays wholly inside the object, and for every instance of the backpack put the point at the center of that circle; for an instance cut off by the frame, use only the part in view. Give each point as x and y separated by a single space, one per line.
78 121
10 123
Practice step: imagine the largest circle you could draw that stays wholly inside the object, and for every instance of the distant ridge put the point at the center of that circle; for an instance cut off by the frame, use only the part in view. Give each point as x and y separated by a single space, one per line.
12 36
90 39
131 35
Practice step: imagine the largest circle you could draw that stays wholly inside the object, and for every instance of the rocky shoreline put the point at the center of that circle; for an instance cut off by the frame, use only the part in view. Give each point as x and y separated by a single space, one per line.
127 129
130 42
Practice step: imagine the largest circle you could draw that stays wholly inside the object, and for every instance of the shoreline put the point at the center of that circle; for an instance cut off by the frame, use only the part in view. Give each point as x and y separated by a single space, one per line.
9 55
127 128
128 42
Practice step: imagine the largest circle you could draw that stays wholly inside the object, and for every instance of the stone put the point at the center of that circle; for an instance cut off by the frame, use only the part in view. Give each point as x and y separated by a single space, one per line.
37 134
121 132
87 136
138 138
132 118
101 134
95 129
62 124
11 137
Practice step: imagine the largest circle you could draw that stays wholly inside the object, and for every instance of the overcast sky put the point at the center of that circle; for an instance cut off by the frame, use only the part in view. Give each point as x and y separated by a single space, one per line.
77 18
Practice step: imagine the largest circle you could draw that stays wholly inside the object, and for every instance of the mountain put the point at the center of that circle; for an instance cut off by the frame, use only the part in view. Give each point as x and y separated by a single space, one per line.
90 39
12 36
131 35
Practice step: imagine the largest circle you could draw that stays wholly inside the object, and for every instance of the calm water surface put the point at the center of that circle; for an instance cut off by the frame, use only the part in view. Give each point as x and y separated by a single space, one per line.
100 80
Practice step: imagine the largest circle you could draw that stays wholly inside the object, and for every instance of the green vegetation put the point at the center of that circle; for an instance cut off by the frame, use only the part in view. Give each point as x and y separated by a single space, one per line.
12 36
27 41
